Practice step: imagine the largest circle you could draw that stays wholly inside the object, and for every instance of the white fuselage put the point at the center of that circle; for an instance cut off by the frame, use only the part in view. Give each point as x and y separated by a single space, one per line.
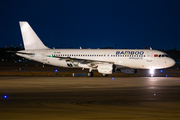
122 58
106 61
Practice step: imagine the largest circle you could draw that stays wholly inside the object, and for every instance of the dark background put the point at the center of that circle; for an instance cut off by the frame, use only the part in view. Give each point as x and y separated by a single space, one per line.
94 23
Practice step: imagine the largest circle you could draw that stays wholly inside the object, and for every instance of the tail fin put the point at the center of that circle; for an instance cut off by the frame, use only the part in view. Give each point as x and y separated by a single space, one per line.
30 39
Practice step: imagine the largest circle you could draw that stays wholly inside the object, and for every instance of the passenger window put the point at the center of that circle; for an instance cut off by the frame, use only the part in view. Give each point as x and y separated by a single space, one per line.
163 55
159 55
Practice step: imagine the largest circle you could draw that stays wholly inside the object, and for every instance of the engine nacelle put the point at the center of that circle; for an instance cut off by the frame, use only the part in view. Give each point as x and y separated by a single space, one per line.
106 68
129 71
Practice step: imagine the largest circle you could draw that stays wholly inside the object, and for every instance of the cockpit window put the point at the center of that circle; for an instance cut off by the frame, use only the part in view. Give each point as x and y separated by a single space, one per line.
163 55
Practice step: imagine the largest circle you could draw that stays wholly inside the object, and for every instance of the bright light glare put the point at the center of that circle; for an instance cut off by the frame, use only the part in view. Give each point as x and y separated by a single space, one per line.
5 96
151 71
112 78
56 70
166 75
161 71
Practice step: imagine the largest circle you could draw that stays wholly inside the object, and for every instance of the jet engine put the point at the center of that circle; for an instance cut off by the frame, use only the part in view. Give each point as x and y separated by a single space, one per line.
106 68
129 71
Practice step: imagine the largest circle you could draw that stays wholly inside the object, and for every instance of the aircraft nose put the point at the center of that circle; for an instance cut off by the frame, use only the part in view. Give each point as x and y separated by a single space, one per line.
172 62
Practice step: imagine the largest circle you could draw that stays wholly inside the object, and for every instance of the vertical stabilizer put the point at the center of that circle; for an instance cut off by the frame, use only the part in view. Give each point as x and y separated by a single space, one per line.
30 39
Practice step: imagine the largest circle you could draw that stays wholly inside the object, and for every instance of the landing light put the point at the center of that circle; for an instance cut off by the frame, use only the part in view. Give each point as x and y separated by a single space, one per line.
151 71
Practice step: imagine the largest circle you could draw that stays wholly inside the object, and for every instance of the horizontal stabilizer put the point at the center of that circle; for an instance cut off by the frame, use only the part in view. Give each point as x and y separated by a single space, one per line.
21 53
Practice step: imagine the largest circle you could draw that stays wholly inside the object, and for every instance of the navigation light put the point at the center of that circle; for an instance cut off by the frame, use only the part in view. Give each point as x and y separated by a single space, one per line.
5 96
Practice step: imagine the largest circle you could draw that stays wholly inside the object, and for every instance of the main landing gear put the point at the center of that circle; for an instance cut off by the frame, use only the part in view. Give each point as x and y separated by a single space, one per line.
104 75
89 74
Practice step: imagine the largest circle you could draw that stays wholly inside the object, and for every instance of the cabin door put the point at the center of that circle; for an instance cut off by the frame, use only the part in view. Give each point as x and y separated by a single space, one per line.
149 56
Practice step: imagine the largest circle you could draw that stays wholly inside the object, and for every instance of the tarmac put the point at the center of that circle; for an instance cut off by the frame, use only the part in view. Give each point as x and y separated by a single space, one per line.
85 98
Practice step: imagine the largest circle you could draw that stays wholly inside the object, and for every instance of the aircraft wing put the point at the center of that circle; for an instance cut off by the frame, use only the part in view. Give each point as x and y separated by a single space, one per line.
80 60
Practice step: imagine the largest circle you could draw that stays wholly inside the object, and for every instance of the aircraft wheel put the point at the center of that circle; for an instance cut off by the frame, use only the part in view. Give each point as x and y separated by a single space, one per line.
104 75
89 74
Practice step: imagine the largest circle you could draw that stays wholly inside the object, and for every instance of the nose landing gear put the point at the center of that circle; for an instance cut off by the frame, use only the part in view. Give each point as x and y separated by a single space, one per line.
151 71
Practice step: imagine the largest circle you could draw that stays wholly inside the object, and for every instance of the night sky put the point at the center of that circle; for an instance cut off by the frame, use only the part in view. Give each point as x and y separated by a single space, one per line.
94 23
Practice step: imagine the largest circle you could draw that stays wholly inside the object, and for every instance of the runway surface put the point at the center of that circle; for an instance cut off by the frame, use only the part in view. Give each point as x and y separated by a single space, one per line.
74 98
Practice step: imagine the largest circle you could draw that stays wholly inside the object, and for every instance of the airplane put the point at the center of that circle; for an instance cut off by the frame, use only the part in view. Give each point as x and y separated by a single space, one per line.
105 61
